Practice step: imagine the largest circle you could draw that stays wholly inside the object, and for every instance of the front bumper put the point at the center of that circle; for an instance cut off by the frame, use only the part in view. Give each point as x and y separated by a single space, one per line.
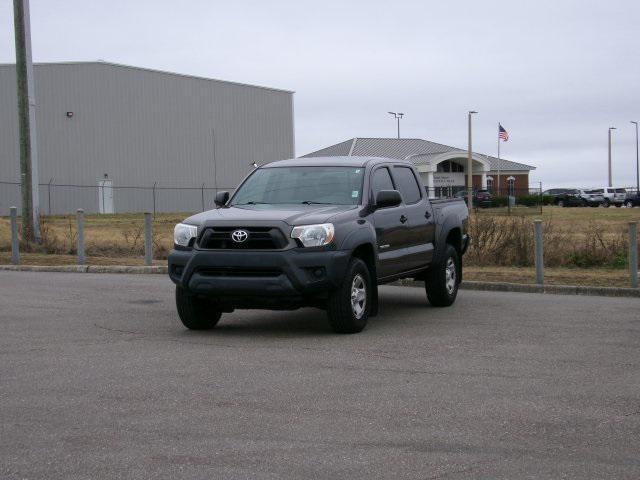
291 273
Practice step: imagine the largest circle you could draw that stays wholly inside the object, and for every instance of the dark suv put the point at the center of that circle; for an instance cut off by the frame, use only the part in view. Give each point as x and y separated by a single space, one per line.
318 232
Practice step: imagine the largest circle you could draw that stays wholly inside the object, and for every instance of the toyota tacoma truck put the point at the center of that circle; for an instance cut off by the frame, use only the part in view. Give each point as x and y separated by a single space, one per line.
321 232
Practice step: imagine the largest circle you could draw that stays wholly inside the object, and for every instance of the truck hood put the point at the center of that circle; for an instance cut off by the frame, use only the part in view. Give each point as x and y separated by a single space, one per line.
290 214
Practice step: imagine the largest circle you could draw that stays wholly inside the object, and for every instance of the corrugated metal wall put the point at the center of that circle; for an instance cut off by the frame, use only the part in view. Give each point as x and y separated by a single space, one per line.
141 127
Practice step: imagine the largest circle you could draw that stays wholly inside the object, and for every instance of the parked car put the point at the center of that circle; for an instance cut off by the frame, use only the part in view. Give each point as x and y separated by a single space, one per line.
579 198
612 196
591 198
321 232
632 200
555 192
568 198
481 198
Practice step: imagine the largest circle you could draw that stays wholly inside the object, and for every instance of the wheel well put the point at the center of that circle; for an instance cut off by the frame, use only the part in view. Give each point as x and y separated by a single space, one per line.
366 254
454 238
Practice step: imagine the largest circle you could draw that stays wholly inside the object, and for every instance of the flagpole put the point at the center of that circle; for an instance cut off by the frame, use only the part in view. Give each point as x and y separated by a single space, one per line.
499 188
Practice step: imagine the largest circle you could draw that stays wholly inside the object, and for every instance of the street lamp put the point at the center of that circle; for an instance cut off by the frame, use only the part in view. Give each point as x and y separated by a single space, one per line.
610 179
637 160
470 167
397 116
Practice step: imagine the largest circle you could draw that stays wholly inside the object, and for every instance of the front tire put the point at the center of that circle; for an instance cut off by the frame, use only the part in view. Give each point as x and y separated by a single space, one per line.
196 313
443 279
629 204
349 305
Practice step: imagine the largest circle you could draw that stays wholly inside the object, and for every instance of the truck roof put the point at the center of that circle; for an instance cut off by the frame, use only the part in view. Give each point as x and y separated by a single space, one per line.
332 162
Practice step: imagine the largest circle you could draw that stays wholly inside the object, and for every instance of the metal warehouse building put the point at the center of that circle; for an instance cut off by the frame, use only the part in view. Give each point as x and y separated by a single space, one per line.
119 138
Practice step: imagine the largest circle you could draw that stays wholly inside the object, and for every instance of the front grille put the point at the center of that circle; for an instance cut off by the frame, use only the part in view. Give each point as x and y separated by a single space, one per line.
238 272
259 238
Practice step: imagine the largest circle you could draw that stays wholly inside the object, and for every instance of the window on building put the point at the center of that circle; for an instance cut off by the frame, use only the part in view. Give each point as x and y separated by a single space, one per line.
490 184
407 184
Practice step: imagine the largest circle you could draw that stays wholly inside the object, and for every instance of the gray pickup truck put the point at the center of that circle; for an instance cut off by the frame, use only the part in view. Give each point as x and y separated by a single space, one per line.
321 232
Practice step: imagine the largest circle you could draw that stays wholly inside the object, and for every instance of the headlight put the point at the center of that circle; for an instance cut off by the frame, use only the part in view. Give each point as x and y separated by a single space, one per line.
183 233
314 235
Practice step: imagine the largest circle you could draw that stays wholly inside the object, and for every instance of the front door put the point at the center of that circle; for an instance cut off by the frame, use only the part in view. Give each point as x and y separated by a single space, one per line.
391 227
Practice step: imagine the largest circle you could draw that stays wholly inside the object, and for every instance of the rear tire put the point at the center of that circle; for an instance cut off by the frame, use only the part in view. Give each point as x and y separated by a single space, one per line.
196 313
629 204
349 305
606 203
561 203
443 279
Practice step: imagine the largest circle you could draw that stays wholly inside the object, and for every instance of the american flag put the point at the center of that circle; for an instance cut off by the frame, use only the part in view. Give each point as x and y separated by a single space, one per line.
502 133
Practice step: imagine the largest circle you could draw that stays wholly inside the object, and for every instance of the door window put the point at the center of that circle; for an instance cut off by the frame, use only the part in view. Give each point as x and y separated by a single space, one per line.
407 185
381 181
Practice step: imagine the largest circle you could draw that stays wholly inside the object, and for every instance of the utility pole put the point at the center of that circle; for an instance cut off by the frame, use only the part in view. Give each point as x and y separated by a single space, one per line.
610 177
27 124
397 116
637 161
470 168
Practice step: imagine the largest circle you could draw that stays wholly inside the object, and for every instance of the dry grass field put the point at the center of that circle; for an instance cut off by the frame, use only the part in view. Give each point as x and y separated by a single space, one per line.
583 246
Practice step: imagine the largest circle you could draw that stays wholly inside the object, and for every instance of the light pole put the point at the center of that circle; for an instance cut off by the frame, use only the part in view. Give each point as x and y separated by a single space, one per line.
470 167
397 116
610 179
637 160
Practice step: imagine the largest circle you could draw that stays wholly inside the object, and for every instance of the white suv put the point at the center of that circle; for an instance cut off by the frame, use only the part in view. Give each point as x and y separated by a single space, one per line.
612 196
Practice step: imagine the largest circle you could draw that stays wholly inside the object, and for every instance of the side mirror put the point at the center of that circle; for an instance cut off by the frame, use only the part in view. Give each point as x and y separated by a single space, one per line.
388 198
221 199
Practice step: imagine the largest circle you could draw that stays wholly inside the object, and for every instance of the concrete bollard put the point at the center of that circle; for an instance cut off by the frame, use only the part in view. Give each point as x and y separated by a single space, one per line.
80 219
15 244
633 253
537 224
148 239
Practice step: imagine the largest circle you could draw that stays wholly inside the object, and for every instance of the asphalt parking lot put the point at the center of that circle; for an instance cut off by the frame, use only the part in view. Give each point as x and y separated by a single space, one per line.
100 380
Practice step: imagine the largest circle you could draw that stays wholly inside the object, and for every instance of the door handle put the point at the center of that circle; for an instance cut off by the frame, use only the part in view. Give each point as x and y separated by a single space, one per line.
427 214
403 219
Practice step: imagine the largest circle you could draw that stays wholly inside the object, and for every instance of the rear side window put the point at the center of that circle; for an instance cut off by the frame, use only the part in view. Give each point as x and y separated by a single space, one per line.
407 184
381 181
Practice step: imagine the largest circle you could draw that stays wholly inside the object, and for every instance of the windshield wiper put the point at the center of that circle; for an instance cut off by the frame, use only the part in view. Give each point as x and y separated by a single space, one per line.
311 202
250 203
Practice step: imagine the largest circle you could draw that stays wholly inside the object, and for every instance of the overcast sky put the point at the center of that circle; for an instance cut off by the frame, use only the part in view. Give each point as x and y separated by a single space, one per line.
557 73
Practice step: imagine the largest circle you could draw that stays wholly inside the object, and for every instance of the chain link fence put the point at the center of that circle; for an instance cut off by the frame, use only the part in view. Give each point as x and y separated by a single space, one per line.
60 199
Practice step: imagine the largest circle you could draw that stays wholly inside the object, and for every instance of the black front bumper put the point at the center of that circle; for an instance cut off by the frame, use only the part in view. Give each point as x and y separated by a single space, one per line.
258 277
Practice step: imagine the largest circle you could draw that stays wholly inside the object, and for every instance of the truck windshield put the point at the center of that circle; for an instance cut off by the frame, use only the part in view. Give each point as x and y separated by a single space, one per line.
302 185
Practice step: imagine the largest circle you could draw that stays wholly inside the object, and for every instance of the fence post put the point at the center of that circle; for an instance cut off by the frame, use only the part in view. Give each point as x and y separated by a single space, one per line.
148 239
154 198
15 244
537 224
540 197
49 194
633 253
80 219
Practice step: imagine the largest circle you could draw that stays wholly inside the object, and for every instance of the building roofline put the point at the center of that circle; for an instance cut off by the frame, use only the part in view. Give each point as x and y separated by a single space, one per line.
153 70
449 148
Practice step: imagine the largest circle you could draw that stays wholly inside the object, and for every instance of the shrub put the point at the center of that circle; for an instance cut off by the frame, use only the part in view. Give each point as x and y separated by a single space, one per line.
528 200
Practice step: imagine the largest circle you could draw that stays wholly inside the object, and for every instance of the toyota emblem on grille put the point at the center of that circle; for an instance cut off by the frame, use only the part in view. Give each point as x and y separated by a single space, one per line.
239 236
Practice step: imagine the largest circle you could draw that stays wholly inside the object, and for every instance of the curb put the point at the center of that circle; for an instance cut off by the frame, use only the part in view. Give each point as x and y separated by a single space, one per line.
85 269
531 288
466 285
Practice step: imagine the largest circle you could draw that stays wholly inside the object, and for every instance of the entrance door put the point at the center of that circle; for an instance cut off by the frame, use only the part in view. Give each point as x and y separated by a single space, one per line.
105 196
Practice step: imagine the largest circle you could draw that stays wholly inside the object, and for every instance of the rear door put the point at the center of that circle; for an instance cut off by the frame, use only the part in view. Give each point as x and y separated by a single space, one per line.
391 231
420 219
